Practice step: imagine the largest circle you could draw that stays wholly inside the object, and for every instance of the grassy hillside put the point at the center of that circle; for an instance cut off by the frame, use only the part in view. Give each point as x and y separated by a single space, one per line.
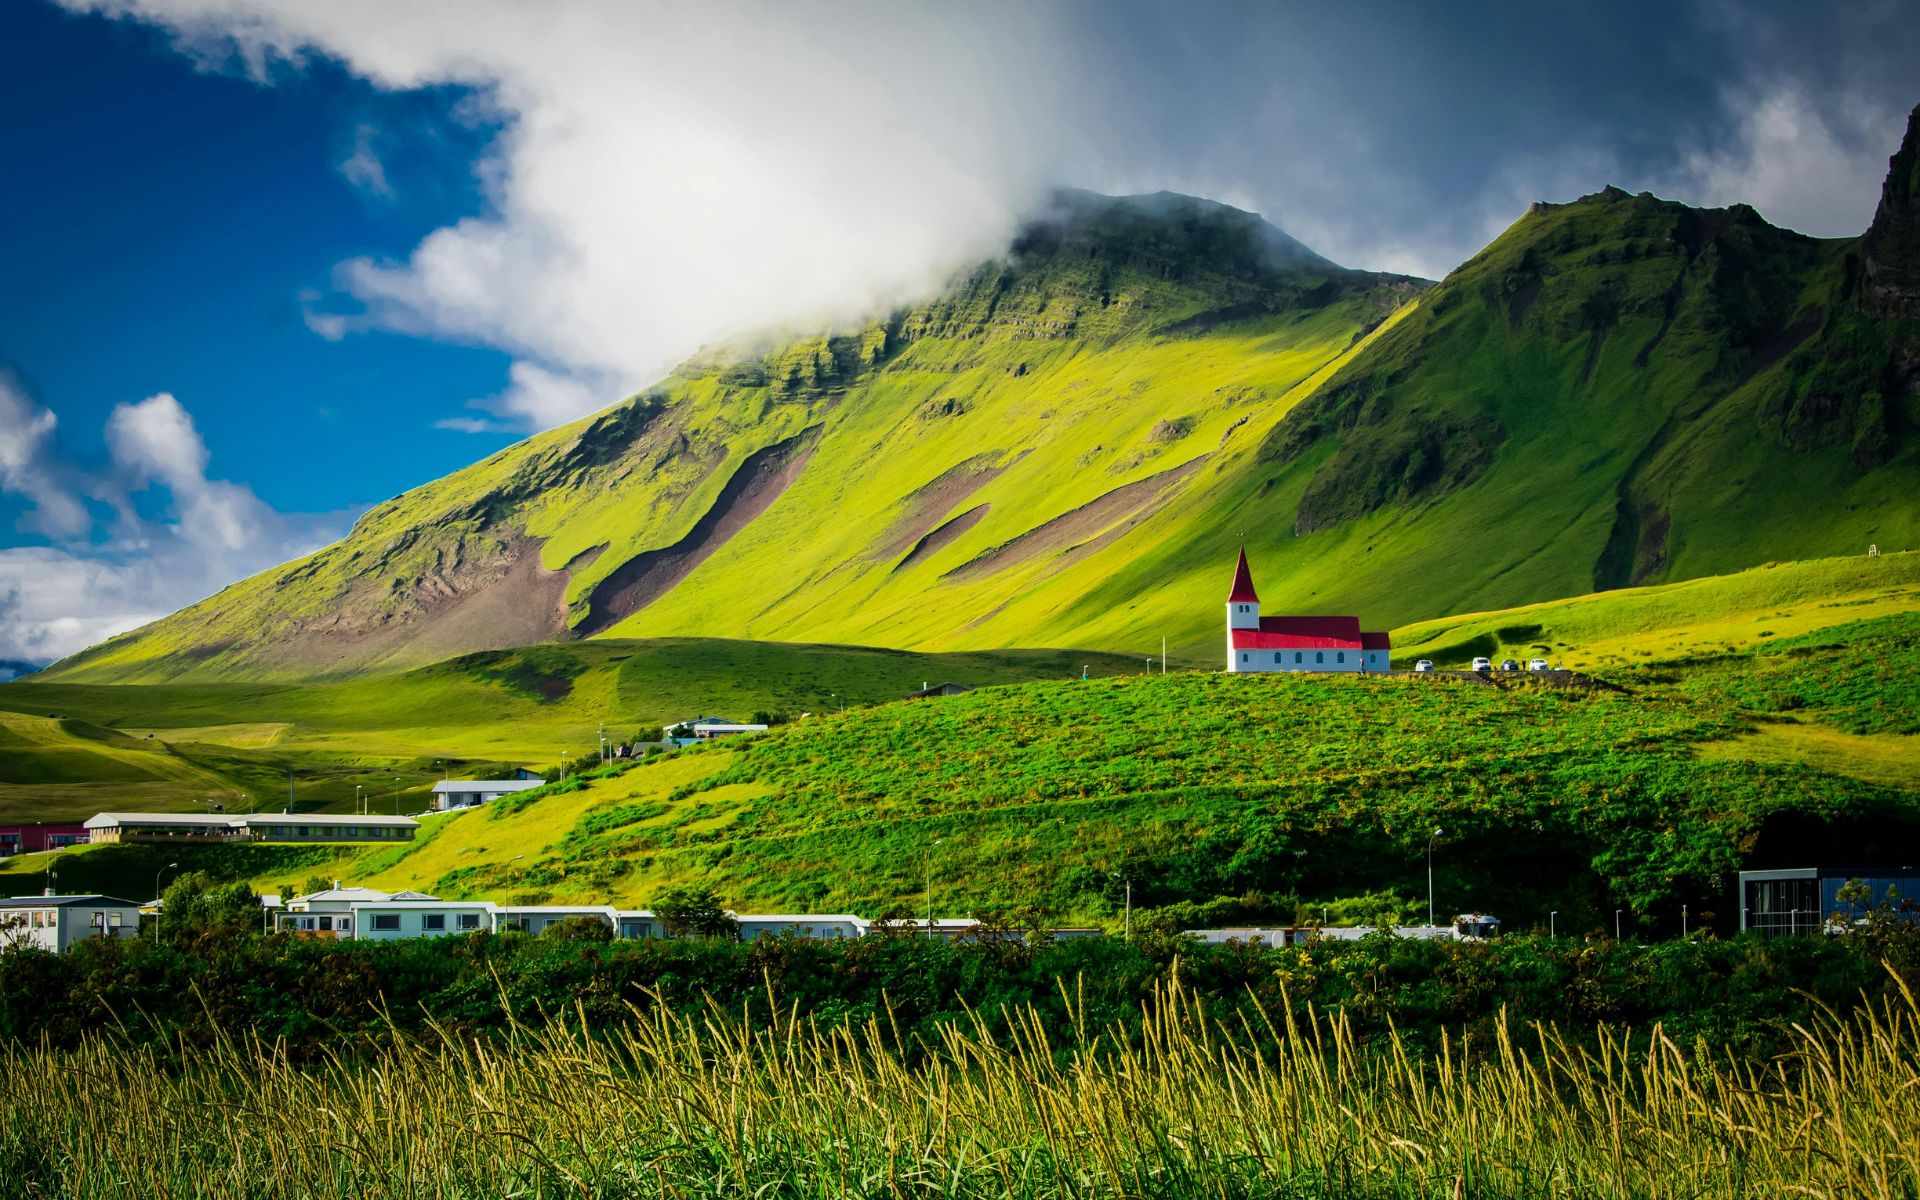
1677 620
68 750
1235 797
916 482
1065 446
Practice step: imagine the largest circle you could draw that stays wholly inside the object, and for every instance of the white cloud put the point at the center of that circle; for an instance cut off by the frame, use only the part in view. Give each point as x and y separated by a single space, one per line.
668 175
92 583
30 468
362 167
1806 160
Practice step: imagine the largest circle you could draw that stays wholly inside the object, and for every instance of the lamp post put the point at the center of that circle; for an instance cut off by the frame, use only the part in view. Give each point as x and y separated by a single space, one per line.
396 795
159 907
1553 923
1683 920
603 745
936 842
1430 840
1616 924
357 802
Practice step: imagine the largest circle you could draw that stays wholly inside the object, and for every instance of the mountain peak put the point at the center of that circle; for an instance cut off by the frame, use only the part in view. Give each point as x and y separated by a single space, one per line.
1166 233
1891 248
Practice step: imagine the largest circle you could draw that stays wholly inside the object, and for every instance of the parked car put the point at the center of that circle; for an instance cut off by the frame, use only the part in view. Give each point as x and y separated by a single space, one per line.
1483 664
1539 664
1425 664
1507 664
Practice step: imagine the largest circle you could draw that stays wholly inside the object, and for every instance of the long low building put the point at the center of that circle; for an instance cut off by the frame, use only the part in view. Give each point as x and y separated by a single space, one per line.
364 914
248 827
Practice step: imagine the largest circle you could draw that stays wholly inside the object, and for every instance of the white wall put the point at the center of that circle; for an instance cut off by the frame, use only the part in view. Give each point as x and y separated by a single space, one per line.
1251 661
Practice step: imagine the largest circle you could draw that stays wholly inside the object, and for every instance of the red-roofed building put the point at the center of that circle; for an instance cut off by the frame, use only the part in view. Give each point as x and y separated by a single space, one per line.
1257 643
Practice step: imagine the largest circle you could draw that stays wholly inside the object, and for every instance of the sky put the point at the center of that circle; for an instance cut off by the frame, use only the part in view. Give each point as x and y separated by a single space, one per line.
267 263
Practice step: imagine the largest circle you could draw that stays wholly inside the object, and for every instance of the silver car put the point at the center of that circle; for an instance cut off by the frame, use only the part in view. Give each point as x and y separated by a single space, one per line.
1425 664
1539 664
1483 664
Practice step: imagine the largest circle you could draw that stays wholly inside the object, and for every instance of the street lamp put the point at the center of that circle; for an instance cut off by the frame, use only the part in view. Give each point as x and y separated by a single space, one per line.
603 745
1683 920
357 805
158 907
396 795
1616 924
1436 833
1553 923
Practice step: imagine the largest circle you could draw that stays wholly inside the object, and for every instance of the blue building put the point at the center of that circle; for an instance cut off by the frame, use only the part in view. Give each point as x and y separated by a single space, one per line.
1802 899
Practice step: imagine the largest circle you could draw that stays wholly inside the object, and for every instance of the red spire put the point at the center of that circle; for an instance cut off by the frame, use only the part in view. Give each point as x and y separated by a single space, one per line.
1243 592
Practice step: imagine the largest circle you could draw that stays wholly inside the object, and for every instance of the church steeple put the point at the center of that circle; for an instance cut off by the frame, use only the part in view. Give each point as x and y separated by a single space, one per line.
1243 592
1243 604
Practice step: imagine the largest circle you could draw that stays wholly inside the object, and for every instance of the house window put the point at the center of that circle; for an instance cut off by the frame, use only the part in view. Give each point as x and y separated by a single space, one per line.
113 920
1319 656
433 922
1340 657
326 923
469 920
386 922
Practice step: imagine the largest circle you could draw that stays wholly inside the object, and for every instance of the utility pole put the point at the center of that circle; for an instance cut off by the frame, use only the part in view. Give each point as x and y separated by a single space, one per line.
1436 833
936 842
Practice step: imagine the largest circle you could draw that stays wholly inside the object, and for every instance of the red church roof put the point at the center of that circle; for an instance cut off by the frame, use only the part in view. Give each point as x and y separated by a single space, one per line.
1243 592
1376 641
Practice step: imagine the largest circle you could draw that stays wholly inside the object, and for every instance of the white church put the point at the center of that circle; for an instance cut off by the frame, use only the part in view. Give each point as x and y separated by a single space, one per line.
1257 643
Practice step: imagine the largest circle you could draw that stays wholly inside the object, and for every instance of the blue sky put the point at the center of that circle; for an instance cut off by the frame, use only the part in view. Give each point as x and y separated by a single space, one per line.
271 261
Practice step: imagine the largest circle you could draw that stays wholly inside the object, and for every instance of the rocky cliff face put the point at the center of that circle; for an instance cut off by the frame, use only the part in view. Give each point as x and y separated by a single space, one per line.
1890 251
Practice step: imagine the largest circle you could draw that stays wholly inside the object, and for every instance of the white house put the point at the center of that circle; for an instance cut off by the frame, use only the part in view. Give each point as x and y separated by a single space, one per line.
1325 644
54 923
331 913
534 918
806 925
395 918
450 794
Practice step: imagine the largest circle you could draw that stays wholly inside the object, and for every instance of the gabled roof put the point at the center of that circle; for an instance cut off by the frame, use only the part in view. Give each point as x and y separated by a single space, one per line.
108 820
1243 592
344 894
1376 641
65 902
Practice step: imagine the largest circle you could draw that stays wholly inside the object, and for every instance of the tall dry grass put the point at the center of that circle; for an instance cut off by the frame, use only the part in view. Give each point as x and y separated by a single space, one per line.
675 1105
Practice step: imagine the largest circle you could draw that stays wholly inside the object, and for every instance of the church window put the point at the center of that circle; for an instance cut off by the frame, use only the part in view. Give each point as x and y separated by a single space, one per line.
1276 658
1340 657
1243 658
1319 656
1298 657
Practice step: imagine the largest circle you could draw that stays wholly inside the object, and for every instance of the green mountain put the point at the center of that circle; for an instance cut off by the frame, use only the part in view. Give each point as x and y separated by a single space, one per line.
1064 447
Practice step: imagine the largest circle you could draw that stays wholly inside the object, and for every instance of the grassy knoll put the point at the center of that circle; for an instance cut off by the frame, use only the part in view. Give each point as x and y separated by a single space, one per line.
69 750
1700 617
1221 796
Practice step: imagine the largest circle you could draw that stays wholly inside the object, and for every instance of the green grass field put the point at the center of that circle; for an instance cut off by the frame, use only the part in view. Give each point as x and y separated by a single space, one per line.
68 751
1764 707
